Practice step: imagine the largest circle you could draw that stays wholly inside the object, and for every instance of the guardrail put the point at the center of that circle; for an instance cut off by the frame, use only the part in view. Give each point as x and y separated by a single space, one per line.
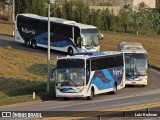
121 111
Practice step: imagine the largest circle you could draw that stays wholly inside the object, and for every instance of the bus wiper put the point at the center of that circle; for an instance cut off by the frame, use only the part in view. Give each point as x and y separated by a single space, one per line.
93 43
64 82
73 82
68 83
140 73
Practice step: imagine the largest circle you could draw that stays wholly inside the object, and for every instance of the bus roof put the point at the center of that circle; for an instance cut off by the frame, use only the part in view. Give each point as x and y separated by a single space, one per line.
131 47
60 20
88 55
134 50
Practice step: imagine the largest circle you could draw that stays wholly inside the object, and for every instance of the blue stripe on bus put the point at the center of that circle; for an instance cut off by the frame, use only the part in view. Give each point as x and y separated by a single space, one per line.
104 79
118 75
41 38
66 89
61 43
89 48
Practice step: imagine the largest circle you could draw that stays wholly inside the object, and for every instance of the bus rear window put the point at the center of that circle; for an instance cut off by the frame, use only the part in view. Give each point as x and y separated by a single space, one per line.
70 63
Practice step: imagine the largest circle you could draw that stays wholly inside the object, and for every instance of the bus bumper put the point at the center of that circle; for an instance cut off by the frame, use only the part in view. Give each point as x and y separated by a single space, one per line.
70 95
133 82
141 80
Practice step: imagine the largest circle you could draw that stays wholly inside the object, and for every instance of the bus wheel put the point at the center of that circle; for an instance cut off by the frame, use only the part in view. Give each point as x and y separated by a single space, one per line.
65 98
34 44
27 43
114 89
92 95
70 51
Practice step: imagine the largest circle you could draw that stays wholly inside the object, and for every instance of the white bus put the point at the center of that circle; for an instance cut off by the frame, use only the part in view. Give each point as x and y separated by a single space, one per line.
66 36
89 74
136 63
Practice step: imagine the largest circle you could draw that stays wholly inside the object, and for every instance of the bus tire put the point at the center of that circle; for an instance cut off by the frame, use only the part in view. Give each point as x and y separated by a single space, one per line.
65 98
114 89
92 94
34 44
27 43
70 51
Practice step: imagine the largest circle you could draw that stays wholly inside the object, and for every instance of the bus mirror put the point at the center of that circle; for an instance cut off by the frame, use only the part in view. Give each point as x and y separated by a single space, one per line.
87 74
79 41
52 75
81 37
100 36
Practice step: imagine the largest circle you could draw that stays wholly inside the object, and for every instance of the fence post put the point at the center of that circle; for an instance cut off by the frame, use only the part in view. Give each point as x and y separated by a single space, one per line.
124 114
147 110
34 95
99 117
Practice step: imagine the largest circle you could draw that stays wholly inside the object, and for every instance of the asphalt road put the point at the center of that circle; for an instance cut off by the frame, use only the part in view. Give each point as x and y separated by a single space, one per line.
130 95
127 96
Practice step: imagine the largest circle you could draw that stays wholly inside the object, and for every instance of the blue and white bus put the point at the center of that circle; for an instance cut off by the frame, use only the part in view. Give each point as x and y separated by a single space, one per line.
89 74
66 36
136 63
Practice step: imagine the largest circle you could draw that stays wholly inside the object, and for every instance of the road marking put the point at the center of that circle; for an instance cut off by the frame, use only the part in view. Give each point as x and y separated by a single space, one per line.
136 95
155 71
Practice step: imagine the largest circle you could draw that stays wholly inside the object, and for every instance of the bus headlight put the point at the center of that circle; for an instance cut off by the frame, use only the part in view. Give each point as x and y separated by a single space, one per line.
81 89
84 50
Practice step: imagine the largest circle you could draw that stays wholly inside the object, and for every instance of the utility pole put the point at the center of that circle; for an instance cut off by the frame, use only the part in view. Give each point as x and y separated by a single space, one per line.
49 54
48 80
13 14
13 10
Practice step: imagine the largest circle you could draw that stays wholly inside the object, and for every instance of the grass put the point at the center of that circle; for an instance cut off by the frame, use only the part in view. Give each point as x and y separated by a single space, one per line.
21 74
151 44
6 29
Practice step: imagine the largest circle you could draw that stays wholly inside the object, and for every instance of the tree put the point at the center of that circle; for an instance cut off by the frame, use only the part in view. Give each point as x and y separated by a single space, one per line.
94 18
67 9
142 7
20 6
158 5
136 21
105 20
81 12
155 22
30 6
124 19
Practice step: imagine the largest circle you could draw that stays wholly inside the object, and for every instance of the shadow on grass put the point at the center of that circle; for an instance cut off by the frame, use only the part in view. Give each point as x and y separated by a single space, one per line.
19 87
39 69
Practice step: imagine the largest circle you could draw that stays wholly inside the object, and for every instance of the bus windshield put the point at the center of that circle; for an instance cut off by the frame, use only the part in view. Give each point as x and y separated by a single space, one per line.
136 64
90 37
70 77
70 72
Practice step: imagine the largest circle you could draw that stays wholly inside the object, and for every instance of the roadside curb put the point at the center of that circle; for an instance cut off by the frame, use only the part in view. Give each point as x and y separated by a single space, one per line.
103 112
24 103
6 35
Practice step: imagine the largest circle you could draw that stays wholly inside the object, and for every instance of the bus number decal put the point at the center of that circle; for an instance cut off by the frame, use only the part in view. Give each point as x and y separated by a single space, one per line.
28 31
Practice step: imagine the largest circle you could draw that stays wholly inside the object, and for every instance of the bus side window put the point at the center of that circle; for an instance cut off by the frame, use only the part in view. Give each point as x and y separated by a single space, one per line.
77 38
111 62
119 61
87 71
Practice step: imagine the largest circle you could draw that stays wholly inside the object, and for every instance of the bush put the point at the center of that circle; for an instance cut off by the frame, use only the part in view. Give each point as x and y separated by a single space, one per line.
5 17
